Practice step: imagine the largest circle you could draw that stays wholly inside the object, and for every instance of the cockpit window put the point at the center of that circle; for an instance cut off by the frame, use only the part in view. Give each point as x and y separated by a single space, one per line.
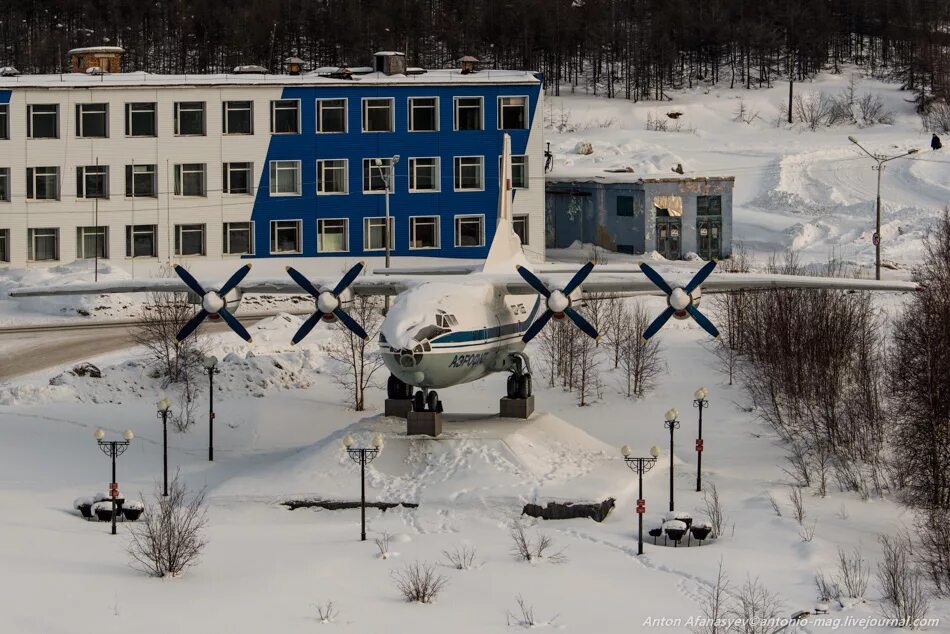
429 332
445 320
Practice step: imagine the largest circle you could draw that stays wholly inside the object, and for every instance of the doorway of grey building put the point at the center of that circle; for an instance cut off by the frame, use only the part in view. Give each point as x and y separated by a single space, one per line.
709 227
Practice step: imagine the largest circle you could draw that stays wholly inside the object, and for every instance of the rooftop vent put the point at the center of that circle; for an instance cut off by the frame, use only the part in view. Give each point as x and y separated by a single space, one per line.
250 69
293 65
390 62
469 64
341 73
108 59
9 71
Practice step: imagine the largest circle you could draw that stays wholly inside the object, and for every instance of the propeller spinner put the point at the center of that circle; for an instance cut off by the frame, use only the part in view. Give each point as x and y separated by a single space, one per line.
679 300
213 302
557 302
328 303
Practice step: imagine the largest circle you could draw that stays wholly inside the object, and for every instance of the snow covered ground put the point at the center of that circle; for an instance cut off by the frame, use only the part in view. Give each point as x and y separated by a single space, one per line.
281 421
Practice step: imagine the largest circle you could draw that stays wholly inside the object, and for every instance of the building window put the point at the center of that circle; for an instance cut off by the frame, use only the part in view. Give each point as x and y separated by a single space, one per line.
4 121
285 178
42 121
378 115
190 118
238 238
285 116
423 114
140 181
92 242
141 241
625 206
468 113
374 234
92 120
4 184
238 117
4 245
285 236
92 181
331 176
190 179
189 239
331 115
332 235
238 178
377 177
140 119
709 205
424 174
512 113
468 173
519 225
43 244
42 183
519 171
424 232
469 231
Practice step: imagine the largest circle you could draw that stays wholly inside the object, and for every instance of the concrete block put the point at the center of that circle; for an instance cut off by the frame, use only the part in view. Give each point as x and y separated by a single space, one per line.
424 424
517 407
399 407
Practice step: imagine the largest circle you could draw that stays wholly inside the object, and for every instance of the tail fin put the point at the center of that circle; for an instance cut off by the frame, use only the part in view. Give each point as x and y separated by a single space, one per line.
505 251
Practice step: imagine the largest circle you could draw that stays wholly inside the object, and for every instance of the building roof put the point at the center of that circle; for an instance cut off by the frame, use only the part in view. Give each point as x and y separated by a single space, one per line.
126 80
117 50
629 178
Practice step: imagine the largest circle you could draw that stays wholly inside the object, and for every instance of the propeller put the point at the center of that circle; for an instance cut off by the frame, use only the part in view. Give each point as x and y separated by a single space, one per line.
213 302
328 303
557 302
679 299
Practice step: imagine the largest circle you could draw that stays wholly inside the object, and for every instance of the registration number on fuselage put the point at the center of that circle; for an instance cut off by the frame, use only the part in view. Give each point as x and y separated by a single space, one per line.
467 360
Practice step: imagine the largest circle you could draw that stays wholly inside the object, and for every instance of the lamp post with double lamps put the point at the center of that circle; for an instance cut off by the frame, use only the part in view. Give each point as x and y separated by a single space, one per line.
700 402
672 424
164 409
388 182
363 456
641 466
210 364
113 449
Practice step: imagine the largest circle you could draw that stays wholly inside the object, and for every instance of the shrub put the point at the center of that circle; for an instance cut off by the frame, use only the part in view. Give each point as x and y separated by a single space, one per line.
419 583
462 558
903 595
526 549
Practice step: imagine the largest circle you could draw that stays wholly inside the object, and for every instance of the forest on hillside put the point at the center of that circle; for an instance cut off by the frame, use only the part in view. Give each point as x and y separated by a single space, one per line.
632 49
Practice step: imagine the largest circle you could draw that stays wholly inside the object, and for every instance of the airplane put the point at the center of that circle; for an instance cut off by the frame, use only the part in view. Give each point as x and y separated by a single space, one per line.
453 325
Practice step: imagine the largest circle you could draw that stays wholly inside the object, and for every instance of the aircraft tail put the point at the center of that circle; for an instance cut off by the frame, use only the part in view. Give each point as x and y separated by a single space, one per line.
505 251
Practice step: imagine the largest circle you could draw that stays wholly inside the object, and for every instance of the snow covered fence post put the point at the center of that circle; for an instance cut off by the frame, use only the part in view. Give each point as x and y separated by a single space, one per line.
641 466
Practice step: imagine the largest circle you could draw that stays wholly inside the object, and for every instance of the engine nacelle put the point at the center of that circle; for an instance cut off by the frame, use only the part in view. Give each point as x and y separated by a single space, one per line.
695 296
232 300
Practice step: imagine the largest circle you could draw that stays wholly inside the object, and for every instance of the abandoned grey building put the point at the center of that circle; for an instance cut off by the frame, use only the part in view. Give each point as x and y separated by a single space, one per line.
629 214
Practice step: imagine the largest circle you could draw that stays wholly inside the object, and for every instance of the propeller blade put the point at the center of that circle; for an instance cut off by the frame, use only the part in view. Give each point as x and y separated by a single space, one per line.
656 278
350 323
235 279
236 326
578 278
533 281
302 281
658 323
582 323
306 327
700 276
344 283
189 281
703 321
189 328
536 327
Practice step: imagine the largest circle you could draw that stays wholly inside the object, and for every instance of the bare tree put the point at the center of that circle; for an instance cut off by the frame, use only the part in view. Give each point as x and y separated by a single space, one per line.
715 605
853 572
419 582
714 509
933 551
585 368
756 608
903 594
640 358
170 538
798 504
359 358
526 549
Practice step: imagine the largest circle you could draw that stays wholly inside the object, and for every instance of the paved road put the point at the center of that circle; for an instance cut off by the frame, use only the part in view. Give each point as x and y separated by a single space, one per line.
32 348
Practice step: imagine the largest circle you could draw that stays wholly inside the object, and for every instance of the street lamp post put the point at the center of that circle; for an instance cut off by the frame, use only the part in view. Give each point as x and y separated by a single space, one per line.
164 408
363 456
700 402
113 449
880 159
211 366
641 466
672 424
387 181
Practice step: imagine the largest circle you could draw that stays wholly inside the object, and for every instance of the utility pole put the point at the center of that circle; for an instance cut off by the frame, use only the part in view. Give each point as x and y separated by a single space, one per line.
880 160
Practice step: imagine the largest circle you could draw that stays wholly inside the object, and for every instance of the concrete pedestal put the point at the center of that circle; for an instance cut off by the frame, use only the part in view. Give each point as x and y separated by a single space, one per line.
399 407
517 407
424 424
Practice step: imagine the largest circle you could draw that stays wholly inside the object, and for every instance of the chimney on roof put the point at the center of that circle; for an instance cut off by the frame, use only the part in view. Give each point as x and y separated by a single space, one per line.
107 59
469 64
293 65
390 62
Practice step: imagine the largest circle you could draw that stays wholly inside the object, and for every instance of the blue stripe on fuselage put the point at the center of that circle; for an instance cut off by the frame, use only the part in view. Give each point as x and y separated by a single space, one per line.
491 332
